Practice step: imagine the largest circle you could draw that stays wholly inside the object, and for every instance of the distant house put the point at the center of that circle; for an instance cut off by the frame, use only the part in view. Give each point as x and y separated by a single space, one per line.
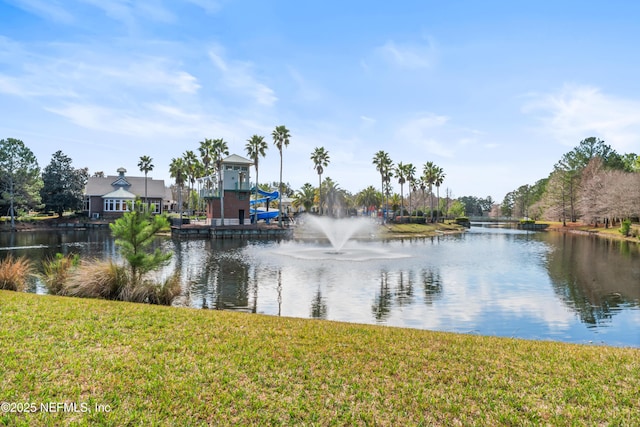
108 196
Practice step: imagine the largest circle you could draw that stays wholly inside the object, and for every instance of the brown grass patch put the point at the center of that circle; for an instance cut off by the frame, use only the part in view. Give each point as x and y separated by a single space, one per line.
15 273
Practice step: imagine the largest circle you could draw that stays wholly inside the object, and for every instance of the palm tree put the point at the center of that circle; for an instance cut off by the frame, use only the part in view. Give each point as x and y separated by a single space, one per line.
410 171
335 195
387 191
145 166
369 197
206 150
423 185
219 148
320 158
178 171
396 200
281 139
304 197
206 156
193 167
401 174
428 175
383 164
256 147
439 179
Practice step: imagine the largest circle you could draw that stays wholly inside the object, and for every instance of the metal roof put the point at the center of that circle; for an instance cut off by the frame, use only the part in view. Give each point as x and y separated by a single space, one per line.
120 193
234 158
97 186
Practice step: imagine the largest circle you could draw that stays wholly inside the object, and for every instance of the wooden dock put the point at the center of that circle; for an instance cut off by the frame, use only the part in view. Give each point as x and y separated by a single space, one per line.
231 231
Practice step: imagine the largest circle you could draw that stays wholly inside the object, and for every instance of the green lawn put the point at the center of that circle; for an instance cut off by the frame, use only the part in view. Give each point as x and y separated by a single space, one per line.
417 230
153 365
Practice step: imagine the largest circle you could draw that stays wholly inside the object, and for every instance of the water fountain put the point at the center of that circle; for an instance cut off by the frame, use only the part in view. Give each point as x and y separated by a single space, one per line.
347 239
339 231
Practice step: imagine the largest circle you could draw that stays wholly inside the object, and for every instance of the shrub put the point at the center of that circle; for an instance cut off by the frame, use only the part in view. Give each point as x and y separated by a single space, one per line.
57 271
625 227
527 221
15 273
418 220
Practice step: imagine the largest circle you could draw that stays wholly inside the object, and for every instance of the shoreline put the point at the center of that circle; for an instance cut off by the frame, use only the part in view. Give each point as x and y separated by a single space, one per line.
591 231
382 231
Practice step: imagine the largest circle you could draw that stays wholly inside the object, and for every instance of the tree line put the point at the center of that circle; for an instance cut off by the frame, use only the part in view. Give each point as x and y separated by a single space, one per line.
24 186
59 187
592 183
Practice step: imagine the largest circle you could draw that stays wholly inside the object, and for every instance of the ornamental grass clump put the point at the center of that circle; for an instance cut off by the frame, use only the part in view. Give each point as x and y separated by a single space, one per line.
152 292
98 279
108 280
57 270
15 273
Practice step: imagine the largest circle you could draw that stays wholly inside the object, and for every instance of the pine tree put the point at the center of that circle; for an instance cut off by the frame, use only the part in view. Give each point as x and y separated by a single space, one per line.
135 231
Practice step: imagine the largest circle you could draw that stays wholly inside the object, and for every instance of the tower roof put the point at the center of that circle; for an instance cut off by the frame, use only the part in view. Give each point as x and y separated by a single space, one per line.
238 160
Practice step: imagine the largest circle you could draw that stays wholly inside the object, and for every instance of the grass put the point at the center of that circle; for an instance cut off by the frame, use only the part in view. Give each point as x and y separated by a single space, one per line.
155 365
56 271
417 230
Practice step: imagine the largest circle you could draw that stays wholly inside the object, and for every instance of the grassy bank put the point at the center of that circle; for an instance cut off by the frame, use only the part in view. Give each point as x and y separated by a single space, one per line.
391 230
134 364
600 231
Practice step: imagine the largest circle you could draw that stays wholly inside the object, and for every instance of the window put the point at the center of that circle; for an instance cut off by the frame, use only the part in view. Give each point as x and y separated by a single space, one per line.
155 207
115 205
87 203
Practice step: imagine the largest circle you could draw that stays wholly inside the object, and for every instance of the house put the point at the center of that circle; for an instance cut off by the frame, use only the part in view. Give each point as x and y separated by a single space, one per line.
230 206
108 196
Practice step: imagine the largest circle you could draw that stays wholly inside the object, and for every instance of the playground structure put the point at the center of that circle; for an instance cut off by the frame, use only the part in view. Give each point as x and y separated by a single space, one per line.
265 215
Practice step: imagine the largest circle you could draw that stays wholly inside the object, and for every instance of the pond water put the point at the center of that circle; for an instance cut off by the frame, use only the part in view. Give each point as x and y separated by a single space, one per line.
488 281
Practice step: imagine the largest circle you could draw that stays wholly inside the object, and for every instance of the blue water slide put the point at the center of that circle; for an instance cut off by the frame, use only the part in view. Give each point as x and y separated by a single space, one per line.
266 197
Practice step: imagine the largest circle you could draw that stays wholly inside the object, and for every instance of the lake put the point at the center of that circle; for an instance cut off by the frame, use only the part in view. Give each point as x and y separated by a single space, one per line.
488 281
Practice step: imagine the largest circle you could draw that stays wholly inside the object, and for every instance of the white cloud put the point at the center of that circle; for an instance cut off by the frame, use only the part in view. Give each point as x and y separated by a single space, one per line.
544 308
209 6
129 13
238 76
158 121
367 121
577 112
409 56
307 91
49 9
419 132
73 71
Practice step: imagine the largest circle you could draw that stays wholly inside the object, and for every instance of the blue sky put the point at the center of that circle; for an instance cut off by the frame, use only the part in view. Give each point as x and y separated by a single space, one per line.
494 92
